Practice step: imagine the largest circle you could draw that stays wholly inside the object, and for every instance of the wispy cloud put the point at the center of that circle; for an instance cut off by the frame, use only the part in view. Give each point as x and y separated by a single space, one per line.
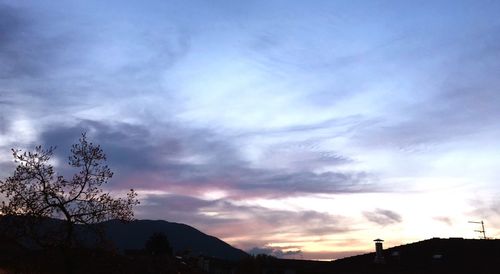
199 160
383 217
224 217
445 220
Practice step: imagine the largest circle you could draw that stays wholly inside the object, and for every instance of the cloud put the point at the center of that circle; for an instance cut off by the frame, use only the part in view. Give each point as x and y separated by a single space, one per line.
83 65
459 114
383 217
445 220
301 156
342 124
27 49
457 103
12 24
246 225
6 168
196 160
487 210
279 252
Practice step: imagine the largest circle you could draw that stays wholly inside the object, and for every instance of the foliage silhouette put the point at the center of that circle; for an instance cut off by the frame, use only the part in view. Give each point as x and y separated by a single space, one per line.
158 244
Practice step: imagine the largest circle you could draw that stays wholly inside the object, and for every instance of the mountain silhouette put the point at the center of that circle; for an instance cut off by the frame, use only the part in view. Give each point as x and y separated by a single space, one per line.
133 235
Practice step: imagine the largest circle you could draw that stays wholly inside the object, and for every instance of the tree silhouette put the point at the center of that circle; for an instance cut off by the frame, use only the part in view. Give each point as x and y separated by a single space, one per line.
36 192
158 244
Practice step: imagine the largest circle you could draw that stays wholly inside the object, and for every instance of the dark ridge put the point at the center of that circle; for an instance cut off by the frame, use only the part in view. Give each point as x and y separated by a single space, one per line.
133 235
453 255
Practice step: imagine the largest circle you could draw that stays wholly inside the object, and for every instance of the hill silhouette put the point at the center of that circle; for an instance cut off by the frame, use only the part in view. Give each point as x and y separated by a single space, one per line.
133 235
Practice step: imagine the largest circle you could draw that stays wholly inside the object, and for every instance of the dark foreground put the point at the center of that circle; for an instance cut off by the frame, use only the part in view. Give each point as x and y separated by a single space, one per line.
430 256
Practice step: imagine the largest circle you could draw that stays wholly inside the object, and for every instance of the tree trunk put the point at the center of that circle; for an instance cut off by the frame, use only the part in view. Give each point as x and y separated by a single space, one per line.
68 248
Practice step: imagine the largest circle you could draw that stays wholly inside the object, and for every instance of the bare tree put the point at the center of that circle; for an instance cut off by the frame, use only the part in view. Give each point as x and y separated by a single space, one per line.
37 192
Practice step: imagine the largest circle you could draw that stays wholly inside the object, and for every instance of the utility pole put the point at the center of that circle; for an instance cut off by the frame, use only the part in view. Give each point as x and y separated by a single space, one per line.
482 231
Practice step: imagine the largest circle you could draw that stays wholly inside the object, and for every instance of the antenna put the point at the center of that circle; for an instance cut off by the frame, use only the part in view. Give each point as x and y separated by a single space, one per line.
482 231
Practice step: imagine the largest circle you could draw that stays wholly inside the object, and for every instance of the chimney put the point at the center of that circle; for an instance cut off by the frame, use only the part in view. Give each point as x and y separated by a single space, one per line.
379 254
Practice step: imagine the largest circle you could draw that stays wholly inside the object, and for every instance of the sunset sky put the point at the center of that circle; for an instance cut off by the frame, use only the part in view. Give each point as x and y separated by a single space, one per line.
303 129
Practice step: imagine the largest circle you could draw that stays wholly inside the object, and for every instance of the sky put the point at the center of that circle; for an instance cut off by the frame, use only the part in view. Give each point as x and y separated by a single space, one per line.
301 129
